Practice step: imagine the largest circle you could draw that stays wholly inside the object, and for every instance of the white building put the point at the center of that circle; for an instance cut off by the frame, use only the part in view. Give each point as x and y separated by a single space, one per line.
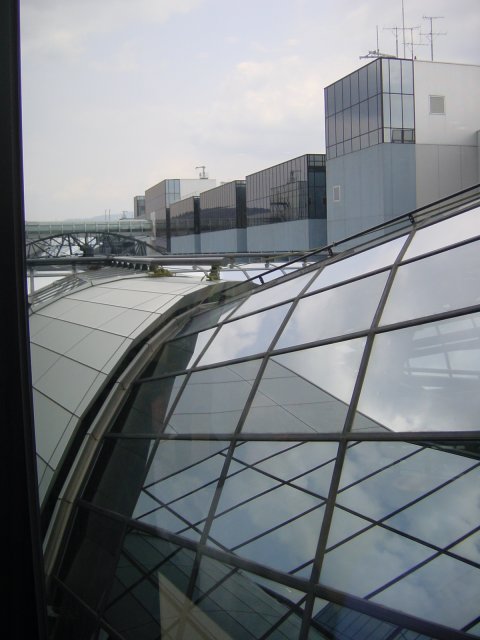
400 134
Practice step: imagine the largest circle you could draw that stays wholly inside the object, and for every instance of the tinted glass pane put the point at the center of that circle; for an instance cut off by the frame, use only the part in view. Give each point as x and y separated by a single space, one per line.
455 274
372 79
408 112
252 334
213 400
354 88
346 92
407 77
386 76
356 120
424 378
364 117
362 83
396 111
444 591
363 262
329 313
180 484
268 297
298 392
395 76
237 604
148 406
455 229
178 354
370 560
279 528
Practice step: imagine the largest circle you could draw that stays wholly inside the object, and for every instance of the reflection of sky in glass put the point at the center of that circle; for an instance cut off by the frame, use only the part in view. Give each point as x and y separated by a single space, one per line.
455 274
425 378
395 486
213 400
271 296
334 312
252 334
445 591
370 560
444 233
354 265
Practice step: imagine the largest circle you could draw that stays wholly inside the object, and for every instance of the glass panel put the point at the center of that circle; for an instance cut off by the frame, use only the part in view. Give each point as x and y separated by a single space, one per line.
329 313
396 111
300 393
177 355
209 318
338 96
407 77
346 92
347 124
357 264
455 274
444 591
213 400
339 127
341 623
273 295
364 117
372 114
370 560
356 120
279 529
379 479
408 112
148 406
362 83
450 512
155 606
372 79
252 334
354 88
238 604
386 76
395 76
424 378
181 481
461 227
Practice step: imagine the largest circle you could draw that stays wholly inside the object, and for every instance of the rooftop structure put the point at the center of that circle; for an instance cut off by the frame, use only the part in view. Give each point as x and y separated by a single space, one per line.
400 134
296 459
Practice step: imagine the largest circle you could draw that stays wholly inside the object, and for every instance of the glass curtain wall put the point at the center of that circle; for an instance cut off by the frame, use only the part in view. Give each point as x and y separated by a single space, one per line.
184 217
370 106
223 208
300 463
293 190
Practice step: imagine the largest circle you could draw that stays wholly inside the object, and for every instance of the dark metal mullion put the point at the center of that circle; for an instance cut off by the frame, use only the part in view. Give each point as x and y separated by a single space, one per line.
430 437
335 482
441 249
471 624
322 539
144 574
295 610
381 521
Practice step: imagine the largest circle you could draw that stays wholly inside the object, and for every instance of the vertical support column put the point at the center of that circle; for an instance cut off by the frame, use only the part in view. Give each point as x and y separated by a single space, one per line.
22 566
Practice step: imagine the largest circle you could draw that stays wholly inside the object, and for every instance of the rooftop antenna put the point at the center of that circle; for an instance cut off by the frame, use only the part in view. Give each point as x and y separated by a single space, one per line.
395 31
403 29
377 53
202 174
431 34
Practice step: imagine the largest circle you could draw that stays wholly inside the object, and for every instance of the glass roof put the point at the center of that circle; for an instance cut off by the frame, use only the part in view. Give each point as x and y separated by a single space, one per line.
301 461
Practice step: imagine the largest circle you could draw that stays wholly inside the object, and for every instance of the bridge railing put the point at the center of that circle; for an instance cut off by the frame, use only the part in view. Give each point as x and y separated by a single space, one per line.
130 225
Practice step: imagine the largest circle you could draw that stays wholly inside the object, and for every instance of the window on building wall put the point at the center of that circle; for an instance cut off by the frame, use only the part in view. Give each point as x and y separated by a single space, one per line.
337 192
437 105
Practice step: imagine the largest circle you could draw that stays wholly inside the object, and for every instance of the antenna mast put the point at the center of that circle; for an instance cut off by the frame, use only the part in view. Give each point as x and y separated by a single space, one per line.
202 175
431 34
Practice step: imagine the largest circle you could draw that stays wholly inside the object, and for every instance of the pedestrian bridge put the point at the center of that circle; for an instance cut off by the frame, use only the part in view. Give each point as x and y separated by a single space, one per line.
130 236
128 226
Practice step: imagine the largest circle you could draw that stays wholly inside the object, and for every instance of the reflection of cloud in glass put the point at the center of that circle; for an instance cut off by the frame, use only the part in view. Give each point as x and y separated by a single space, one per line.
370 560
334 312
445 590
252 334
354 265
421 380
444 233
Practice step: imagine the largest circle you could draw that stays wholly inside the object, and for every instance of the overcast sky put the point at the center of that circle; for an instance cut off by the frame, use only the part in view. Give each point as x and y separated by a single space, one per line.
121 94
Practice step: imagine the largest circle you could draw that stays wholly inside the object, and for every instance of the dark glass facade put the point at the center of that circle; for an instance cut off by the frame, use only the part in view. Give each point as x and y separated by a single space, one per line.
293 190
300 462
183 217
370 106
139 206
223 208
